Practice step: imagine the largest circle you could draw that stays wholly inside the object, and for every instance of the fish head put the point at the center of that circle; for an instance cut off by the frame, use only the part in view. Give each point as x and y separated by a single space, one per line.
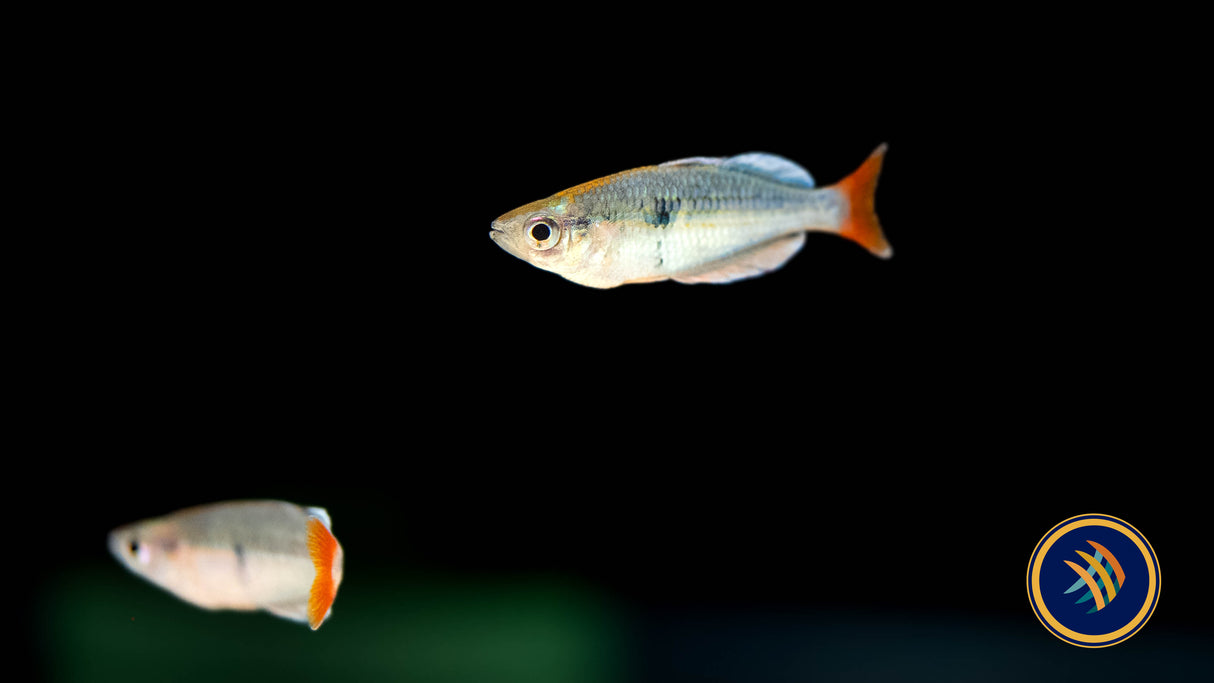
546 234
147 548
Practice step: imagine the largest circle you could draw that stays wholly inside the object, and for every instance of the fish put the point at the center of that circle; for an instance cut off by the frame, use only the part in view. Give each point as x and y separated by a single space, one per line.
239 555
693 220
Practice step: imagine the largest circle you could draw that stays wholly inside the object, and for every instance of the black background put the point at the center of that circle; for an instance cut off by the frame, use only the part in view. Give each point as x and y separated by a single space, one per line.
271 277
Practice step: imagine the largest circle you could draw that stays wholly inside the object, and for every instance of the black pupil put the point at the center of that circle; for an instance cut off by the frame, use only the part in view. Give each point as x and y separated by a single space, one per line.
540 232
134 546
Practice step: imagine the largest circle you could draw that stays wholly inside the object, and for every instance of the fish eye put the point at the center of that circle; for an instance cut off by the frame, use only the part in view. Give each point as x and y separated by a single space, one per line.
542 232
139 551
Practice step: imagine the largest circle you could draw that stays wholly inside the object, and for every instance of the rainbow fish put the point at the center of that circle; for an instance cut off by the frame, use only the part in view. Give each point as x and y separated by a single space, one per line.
693 220
241 555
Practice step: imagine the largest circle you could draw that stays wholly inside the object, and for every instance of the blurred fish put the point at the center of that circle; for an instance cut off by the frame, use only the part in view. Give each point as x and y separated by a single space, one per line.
692 220
242 555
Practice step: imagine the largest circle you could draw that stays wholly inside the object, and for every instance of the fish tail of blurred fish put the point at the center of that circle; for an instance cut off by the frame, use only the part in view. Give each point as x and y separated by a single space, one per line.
861 224
327 557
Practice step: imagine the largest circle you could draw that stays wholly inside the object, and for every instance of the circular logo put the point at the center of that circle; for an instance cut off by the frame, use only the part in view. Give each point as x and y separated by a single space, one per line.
1093 580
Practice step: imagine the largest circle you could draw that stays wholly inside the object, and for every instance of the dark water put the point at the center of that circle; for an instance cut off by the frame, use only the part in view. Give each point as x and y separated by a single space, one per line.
278 283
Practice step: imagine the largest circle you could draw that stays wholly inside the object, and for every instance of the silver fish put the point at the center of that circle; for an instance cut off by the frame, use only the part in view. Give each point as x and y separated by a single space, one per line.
693 220
242 555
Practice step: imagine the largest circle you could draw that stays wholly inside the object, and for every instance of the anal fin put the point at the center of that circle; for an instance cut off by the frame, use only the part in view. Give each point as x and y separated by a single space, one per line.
752 262
294 611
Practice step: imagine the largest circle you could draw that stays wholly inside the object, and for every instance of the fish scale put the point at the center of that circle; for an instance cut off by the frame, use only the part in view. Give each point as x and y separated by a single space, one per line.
686 216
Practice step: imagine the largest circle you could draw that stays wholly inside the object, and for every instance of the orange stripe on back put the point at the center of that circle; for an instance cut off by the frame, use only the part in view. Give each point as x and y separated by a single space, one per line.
571 194
327 557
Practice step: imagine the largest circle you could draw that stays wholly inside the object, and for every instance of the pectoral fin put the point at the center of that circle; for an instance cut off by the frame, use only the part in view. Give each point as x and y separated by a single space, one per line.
752 262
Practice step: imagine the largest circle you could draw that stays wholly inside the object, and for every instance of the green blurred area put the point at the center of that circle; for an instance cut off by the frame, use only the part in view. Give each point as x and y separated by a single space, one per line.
98 623
101 624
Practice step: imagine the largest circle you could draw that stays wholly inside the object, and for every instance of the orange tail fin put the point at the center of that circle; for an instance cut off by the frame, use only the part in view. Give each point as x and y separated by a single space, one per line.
327 557
861 223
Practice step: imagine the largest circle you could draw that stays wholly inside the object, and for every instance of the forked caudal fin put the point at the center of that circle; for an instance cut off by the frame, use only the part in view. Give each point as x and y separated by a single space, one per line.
327 557
861 224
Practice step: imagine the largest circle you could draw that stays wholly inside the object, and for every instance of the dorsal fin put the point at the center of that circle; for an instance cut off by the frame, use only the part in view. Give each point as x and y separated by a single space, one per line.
758 163
695 161
326 556
321 514
771 166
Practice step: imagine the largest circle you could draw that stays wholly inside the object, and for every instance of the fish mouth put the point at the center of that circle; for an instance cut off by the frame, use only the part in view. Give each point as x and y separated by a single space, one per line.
507 240
498 235
113 542
120 544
